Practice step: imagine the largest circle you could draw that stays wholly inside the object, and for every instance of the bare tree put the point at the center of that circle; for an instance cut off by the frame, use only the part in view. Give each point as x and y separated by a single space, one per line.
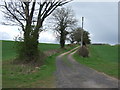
30 16
64 21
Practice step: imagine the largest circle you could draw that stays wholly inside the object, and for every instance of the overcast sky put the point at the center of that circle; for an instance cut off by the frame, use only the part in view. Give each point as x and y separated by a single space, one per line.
101 21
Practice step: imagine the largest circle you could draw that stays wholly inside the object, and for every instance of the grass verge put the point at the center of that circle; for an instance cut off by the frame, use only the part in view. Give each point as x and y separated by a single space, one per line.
103 58
26 76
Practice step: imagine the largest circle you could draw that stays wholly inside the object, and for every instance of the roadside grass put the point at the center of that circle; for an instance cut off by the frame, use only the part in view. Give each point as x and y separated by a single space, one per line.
103 58
18 76
22 76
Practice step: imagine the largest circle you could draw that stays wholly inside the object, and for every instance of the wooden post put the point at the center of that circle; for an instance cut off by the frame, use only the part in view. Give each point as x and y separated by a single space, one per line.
82 32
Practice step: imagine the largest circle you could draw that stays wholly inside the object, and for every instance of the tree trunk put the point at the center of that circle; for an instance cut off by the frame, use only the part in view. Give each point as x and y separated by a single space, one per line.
62 43
62 40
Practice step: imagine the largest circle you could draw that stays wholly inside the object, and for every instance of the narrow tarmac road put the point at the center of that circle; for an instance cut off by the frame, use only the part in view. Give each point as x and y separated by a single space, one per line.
75 75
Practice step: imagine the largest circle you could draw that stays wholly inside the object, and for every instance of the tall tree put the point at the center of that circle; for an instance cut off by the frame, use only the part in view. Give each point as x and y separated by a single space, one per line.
64 21
27 14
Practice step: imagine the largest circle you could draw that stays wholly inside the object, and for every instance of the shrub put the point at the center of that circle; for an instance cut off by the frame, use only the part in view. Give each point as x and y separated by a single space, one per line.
83 51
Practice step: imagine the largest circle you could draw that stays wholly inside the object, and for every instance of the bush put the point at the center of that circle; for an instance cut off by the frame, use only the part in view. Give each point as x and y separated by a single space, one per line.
83 51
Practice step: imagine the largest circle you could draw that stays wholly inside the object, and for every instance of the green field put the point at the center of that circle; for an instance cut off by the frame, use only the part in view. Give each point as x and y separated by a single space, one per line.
9 49
0 64
103 58
20 76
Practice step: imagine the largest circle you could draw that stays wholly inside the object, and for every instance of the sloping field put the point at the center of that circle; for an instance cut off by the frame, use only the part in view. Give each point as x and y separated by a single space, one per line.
103 58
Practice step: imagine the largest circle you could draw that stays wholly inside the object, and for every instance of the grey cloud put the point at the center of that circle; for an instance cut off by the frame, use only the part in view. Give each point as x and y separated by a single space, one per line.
4 36
101 19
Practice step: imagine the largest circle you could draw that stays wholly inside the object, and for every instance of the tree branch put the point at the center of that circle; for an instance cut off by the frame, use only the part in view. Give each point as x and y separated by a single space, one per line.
13 15
32 11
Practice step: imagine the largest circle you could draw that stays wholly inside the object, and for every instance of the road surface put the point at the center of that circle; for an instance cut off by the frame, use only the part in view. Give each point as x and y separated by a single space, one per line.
75 75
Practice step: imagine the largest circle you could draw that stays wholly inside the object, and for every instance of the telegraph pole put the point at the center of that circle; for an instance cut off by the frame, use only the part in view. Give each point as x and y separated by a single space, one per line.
82 32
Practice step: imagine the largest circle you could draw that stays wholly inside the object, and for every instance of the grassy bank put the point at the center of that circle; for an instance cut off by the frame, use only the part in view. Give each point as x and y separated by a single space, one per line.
21 76
103 58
